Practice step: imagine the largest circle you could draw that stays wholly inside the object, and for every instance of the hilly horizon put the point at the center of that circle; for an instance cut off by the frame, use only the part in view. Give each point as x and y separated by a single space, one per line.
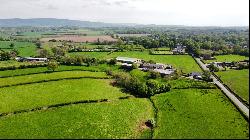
55 22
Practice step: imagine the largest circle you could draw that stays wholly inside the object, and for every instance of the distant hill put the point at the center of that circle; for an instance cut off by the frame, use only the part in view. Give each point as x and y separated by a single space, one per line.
53 22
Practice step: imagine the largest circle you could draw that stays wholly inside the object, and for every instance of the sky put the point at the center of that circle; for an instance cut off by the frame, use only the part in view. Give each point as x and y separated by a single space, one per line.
161 12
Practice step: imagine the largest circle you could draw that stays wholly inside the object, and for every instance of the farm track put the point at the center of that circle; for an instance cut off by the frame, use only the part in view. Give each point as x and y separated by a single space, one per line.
60 105
51 80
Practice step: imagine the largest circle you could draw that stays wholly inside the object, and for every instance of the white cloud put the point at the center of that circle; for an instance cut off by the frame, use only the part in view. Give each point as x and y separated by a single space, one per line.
178 12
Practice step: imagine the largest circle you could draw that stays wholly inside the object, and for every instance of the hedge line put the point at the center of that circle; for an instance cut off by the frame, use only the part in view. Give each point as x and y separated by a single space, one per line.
22 66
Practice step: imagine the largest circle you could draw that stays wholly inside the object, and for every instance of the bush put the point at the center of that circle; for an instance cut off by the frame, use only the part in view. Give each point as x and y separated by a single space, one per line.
140 89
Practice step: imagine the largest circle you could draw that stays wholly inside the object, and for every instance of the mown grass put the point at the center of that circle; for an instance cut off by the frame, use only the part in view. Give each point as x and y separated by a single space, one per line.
49 76
55 92
228 58
237 81
24 48
196 113
183 62
116 119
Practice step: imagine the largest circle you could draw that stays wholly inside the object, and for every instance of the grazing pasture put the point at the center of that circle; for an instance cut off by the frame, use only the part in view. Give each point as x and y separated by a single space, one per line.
236 80
24 48
198 113
227 58
55 92
115 119
49 76
76 38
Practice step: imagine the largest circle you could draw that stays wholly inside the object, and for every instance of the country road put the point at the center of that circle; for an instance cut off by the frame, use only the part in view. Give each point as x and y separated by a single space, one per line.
230 95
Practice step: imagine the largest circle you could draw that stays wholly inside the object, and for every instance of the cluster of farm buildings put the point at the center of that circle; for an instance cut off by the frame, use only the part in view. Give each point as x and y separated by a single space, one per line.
163 69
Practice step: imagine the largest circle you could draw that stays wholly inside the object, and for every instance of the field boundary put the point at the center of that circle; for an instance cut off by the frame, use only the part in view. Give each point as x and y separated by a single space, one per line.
51 80
60 105
155 117
48 72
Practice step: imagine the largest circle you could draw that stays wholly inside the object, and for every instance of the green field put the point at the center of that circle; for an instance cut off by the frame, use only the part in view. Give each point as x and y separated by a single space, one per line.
184 62
195 113
49 76
24 48
236 80
116 119
228 58
48 93
12 63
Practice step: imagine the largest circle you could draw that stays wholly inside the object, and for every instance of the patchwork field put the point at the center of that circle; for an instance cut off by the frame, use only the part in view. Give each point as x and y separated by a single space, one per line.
228 58
76 38
116 119
196 113
181 113
184 62
236 80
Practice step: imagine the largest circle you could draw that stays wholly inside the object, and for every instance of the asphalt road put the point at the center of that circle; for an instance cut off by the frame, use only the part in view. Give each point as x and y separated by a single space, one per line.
230 95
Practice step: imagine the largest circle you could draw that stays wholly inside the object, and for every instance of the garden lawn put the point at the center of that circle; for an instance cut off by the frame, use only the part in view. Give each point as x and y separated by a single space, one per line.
227 58
196 113
49 93
116 119
237 81
183 62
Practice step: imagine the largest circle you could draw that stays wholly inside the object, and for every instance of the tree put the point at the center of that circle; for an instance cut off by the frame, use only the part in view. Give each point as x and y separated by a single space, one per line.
4 56
58 52
52 65
38 44
44 53
12 45
213 68
154 74
206 75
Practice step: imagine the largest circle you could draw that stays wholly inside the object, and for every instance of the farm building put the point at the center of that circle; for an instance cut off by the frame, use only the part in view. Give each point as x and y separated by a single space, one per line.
31 59
128 60
164 71
195 75
179 49
155 66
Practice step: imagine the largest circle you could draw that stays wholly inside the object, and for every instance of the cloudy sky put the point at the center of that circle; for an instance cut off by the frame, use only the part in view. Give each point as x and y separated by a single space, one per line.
167 12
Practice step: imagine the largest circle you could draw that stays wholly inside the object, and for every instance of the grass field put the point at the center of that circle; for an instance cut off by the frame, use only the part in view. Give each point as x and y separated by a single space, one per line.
236 80
48 93
24 48
184 62
116 119
228 58
49 76
12 63
27 71
195 113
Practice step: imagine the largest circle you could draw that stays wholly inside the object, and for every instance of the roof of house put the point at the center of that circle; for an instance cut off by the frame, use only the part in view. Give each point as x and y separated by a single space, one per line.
167 71
195 74
126 59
